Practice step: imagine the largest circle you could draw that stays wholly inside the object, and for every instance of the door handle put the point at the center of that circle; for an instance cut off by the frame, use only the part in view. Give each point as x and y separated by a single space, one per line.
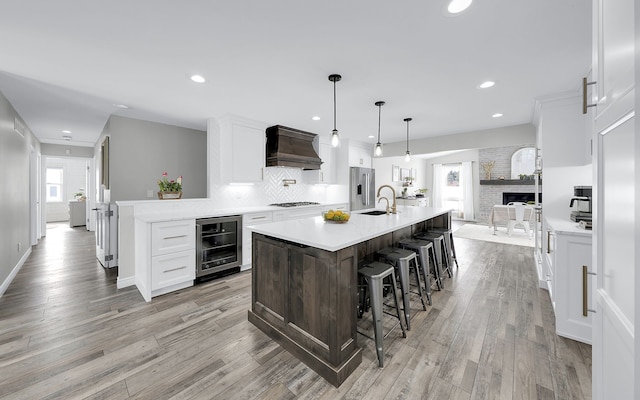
585 273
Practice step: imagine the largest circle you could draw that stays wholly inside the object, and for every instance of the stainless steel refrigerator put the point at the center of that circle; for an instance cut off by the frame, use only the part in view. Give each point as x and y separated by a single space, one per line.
362 188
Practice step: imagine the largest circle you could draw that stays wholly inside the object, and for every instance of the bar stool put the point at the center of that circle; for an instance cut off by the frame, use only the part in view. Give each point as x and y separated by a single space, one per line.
375 273
402 258
448 240
440 249
425 252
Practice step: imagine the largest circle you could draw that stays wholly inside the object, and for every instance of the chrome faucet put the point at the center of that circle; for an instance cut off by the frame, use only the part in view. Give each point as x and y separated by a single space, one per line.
386 209
393 207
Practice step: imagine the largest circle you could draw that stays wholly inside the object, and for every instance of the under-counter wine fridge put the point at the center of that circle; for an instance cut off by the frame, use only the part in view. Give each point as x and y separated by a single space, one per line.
219 245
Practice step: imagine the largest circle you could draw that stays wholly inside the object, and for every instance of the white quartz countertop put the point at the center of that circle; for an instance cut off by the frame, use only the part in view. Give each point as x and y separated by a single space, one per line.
174 210
567 226
330 236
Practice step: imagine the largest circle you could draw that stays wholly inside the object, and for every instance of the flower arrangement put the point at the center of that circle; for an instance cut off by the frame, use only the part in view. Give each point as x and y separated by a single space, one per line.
166 185
488 166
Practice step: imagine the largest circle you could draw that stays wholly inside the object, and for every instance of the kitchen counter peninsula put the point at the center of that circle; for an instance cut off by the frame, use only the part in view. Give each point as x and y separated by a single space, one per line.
304 281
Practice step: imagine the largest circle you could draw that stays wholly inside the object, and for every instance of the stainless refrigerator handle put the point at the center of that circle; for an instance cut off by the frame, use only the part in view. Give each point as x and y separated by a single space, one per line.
366 191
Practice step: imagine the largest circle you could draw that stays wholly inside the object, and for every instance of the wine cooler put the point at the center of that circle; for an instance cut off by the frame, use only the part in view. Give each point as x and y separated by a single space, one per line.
218 245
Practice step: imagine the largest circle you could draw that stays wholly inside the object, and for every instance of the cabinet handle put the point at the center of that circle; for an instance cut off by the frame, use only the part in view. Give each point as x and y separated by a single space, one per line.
174 269
548 242
585 273
175 237
263 217
584 95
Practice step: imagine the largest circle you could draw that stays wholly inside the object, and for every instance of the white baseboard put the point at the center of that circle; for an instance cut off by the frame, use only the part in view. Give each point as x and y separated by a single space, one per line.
14 272
125 282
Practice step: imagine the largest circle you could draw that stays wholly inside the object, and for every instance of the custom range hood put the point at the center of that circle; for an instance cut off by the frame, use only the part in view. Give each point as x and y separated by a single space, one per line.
288 147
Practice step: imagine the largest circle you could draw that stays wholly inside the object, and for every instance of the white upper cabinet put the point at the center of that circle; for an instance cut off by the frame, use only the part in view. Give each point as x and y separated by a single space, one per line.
613 61
327 172
562 131
236 150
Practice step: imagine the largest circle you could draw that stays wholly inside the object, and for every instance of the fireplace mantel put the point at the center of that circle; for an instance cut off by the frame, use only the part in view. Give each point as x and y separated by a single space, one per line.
507 181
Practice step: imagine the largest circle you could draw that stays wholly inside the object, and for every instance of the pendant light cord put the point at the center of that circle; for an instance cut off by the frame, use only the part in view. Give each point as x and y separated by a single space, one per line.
407 134
379 113
334 105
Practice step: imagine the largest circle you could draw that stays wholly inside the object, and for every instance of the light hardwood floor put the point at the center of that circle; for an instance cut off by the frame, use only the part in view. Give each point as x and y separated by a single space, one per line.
67 332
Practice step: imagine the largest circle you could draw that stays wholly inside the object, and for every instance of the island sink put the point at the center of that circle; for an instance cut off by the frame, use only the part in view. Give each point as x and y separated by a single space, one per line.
374 212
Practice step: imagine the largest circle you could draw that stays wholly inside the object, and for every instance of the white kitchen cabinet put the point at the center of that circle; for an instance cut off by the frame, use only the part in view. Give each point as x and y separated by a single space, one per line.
237 150
248 220
561 131
166 260
336 206
567 249
327 172
297 212
416 202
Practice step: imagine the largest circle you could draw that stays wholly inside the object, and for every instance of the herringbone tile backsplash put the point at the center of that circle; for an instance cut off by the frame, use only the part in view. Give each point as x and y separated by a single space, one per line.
270 190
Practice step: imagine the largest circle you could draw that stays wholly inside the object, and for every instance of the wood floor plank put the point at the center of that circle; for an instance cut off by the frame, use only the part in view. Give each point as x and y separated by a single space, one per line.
66 331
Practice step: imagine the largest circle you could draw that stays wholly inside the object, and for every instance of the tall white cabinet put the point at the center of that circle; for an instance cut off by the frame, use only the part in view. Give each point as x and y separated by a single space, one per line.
616 346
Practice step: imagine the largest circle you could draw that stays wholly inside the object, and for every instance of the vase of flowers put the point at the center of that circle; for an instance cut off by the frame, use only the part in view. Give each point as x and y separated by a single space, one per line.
169 189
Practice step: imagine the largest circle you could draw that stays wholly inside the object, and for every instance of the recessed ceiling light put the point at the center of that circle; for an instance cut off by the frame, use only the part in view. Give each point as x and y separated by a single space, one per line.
315 118
121 106
198 79
487 84
66 131
458 6
497 115
371 136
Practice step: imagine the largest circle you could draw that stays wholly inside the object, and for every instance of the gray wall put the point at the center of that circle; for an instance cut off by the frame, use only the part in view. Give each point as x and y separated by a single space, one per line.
15 153
140 151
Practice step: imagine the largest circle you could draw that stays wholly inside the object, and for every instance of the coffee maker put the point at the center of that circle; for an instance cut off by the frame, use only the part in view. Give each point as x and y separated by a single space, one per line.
582 200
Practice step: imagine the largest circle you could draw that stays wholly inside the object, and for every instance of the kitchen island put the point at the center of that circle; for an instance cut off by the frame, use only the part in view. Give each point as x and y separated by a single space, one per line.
304 281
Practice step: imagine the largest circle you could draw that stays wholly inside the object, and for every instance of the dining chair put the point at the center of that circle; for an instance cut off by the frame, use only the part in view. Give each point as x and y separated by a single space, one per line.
518 219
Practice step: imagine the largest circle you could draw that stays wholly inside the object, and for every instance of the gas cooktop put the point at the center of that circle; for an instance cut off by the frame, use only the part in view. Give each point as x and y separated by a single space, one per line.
295 204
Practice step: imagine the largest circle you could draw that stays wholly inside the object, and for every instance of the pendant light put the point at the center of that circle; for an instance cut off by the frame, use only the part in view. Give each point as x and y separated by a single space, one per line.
407 156
335 139
378 150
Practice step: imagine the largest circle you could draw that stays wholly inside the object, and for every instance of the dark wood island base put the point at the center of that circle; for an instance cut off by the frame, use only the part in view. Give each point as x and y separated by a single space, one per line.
305 298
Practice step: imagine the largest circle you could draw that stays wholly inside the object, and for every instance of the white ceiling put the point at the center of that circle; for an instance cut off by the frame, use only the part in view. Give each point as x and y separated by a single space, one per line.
65 63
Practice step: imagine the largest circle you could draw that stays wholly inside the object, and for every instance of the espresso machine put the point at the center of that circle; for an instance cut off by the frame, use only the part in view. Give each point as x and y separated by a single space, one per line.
582 201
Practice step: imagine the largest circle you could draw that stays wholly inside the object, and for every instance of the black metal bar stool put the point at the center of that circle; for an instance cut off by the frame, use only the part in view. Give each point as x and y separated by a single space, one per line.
425 252
448 241
402 258
440 249
374 274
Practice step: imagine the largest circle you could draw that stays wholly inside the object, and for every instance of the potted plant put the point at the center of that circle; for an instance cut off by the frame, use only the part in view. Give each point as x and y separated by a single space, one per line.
408 181
169 189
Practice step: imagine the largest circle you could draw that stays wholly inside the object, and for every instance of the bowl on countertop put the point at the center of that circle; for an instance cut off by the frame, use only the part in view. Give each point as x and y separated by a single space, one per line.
336 216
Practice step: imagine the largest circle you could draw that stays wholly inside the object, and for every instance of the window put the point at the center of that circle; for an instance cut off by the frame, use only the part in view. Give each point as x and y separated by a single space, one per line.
54 185
452 192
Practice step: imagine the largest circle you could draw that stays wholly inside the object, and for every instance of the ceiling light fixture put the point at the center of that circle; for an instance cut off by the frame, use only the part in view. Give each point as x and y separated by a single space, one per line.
66 131
335 139
315 118
123 106
458 6
378 150
198 79
497 115
407 156
486 85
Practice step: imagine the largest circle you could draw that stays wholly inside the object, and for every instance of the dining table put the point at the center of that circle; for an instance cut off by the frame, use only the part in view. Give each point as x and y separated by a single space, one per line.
502 214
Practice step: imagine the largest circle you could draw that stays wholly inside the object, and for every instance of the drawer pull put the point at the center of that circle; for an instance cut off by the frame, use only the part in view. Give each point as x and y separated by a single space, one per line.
175 269
175 237
585 273
263 217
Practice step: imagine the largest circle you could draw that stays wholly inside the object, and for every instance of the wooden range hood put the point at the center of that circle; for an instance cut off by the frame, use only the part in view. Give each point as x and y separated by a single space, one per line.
289 147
